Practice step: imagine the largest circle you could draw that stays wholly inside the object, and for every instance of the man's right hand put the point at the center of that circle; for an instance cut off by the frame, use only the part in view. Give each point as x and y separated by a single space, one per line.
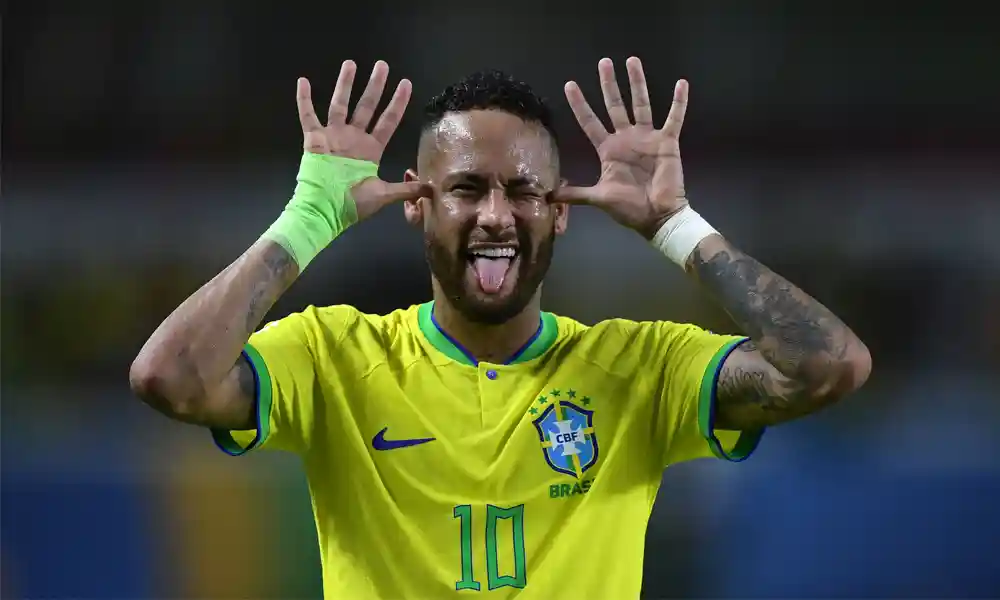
349 137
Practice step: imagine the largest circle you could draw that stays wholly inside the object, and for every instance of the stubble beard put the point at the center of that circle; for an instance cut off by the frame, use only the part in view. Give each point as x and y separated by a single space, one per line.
449 265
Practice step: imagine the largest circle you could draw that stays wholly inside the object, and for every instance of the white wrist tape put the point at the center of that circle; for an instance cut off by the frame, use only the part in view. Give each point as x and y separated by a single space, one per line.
680 235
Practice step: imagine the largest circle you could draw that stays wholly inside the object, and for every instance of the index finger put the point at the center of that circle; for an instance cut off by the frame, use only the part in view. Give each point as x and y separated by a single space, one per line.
307 114
585 115
675 118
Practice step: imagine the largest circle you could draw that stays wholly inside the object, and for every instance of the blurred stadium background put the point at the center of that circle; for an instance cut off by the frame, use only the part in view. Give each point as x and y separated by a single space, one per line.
851 146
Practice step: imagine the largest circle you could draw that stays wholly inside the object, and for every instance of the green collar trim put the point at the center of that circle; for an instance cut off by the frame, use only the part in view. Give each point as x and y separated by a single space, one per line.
548 331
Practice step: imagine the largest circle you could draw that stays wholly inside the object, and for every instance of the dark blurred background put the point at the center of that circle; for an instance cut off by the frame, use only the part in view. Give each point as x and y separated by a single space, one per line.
851 146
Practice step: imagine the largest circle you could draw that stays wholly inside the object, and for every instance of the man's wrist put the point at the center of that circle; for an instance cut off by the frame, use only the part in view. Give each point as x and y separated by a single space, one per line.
678 237
322 207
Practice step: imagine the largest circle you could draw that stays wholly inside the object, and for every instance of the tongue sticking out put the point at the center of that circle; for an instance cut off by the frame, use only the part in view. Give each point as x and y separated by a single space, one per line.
491 273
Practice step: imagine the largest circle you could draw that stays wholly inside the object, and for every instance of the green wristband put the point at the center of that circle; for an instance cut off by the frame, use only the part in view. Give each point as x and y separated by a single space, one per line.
322 206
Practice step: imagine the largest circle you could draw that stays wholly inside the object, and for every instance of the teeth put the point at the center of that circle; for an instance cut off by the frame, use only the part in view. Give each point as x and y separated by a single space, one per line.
506 252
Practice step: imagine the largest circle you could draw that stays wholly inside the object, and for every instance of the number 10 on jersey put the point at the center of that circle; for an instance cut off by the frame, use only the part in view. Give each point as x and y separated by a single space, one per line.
494 516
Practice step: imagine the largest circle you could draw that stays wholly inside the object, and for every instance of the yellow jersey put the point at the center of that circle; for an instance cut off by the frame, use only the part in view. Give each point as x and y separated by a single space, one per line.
436 476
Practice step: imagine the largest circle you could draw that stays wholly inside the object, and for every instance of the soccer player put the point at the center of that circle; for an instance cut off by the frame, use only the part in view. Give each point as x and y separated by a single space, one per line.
476 446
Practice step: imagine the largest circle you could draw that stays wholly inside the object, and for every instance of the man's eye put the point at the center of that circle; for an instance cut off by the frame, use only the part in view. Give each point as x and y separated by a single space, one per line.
464 188
527 194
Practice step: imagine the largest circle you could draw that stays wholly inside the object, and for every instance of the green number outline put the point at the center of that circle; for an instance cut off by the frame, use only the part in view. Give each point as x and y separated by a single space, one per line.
493 514
464 512
520 577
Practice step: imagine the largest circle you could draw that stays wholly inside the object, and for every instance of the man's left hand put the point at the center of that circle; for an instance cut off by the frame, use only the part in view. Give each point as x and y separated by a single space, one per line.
642 182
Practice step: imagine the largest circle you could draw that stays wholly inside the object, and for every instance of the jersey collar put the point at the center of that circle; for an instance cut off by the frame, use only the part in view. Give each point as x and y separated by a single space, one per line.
543 339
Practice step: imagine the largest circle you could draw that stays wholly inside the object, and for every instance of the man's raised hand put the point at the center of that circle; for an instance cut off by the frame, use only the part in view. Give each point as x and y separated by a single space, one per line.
347 135
642 182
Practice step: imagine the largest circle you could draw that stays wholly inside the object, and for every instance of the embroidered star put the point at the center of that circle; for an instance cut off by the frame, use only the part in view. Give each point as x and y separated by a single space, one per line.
542 399
586 400
571 394
533 410
555 392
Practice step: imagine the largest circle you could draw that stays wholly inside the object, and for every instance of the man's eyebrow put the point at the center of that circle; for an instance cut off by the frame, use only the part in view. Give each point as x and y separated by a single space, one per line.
478 177
464 174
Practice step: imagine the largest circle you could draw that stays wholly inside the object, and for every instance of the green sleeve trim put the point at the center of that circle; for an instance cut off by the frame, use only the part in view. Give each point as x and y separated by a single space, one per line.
262 403
748 440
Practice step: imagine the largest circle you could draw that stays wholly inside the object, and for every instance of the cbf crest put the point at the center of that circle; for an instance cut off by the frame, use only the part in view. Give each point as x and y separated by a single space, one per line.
566 432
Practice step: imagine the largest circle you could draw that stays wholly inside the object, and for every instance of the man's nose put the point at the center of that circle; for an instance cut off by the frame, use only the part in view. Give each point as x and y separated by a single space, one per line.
496 211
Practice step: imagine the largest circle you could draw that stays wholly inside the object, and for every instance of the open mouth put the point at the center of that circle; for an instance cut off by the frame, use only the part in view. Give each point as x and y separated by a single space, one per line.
491 264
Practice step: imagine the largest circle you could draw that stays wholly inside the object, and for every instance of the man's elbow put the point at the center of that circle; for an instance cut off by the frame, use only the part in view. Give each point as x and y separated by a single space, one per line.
845 375
157 385
859 367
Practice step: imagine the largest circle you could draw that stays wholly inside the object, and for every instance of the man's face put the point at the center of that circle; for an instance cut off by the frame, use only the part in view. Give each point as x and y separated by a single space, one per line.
489 229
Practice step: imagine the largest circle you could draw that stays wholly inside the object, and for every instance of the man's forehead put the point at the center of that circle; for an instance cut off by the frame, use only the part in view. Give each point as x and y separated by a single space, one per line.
483 140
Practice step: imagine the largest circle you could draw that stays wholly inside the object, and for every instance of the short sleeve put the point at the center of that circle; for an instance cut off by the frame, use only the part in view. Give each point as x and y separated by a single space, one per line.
281 357
685 393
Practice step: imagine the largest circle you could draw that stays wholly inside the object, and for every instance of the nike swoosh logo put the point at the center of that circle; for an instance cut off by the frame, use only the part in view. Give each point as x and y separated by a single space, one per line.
380 443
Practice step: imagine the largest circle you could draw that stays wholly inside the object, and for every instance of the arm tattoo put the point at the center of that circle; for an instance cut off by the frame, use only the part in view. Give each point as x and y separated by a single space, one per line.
803 344
751 393
788 326
743 380
278 273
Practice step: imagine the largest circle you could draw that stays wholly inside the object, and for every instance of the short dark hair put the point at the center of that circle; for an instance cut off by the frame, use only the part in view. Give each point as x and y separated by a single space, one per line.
490 90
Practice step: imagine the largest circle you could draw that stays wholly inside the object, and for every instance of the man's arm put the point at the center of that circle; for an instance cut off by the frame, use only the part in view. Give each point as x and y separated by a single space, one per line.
800 356
191 368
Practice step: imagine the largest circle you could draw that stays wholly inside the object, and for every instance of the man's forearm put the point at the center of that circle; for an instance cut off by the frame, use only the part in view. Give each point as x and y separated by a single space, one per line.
796 334
197 345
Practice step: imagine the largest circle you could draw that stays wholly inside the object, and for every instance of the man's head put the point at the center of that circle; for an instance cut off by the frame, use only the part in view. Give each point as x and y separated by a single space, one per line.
489 152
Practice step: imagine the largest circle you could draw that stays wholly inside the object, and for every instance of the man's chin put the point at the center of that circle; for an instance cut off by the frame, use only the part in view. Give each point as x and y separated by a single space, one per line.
490 308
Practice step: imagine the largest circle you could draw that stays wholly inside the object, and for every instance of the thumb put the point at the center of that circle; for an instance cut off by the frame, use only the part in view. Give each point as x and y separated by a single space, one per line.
407 190
372 194
569 194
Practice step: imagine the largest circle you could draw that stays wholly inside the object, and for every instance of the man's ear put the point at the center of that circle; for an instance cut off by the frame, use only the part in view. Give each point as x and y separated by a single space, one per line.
562 212
413 209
